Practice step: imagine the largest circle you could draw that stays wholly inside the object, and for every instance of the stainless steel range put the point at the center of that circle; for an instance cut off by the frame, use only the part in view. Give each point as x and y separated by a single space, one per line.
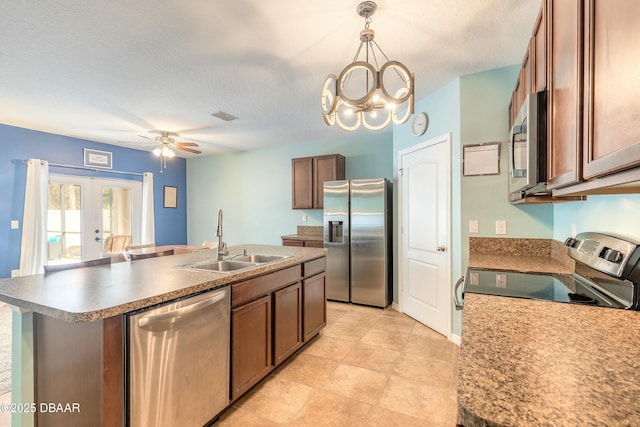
607 274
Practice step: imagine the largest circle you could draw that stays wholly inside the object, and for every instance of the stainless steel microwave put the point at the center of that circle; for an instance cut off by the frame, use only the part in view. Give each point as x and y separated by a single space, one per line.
528 149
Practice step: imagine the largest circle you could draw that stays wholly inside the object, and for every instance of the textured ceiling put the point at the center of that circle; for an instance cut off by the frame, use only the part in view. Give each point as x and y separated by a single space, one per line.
110 71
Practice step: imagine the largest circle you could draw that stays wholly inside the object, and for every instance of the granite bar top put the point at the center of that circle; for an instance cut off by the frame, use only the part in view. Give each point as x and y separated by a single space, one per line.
311 233
540 363
92 293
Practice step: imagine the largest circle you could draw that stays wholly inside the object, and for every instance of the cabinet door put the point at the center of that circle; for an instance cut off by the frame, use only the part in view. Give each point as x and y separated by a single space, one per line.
565 93
250 344
525 76
612 86
287 328
302 183
325 168
315 305
539 49
313 244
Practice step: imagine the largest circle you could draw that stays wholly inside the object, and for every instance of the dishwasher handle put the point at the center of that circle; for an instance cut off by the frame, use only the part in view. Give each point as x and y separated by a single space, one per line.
459 302
159 322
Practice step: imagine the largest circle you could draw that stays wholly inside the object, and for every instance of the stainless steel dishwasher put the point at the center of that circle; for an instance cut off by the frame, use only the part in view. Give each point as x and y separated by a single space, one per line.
178 372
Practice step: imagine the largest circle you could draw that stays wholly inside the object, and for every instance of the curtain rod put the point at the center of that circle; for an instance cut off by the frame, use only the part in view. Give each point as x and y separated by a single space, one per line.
57 165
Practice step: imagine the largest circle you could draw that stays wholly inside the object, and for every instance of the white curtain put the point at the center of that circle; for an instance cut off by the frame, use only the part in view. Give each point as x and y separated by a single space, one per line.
148 221
33 250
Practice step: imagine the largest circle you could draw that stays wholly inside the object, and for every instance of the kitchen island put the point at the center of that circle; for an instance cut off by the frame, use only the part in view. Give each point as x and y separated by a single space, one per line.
84 310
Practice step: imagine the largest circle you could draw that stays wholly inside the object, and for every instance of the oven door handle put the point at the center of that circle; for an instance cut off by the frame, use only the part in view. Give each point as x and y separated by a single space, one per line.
459 303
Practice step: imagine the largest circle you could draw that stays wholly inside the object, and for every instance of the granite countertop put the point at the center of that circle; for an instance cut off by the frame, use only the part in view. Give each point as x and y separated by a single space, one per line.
93 293
307 232
533 363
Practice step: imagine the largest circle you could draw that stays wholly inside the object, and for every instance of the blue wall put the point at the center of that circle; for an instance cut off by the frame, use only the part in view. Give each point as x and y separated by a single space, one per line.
18 144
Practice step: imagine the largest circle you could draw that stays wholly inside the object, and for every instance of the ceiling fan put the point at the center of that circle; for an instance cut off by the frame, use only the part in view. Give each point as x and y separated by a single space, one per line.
166 145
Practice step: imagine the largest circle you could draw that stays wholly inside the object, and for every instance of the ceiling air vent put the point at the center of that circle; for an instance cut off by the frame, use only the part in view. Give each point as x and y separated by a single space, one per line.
224 116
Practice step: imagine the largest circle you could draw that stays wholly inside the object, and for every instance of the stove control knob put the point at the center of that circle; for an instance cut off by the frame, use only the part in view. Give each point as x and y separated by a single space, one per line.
571 242
613 256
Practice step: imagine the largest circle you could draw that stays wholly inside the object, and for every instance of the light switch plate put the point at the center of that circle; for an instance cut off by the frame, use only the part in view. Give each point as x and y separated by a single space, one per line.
501 227
473 226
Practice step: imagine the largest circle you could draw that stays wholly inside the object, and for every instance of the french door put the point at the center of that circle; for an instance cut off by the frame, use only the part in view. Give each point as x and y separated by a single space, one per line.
84 212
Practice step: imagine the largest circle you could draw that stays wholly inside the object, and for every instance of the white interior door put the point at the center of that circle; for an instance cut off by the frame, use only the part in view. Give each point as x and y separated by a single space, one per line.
83 212
425 223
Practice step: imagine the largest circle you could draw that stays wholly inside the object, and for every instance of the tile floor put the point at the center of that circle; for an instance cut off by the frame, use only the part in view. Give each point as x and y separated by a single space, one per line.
368 367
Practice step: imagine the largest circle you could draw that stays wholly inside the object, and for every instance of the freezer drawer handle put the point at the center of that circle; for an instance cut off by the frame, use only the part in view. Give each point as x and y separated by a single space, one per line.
157 321
459 303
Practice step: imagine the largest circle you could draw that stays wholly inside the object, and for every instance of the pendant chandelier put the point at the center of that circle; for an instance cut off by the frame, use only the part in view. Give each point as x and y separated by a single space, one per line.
365 93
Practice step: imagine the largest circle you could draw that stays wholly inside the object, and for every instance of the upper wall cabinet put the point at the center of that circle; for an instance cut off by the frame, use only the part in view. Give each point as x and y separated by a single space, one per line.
611 86
594 96
565 93
308 175
533 74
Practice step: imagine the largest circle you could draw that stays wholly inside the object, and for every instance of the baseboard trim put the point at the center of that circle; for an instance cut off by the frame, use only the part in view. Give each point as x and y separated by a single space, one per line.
456 339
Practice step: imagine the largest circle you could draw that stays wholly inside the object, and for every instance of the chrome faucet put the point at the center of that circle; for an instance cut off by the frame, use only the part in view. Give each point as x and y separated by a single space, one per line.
222 246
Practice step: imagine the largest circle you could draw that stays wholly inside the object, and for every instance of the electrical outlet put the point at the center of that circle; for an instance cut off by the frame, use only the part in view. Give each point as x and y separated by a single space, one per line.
15 224
473 226
501 280
573 230
15 273
501 227
304 218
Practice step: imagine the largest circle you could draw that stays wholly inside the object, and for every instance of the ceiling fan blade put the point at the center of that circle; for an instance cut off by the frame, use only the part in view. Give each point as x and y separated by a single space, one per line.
160 132
186 144
146 137
189 150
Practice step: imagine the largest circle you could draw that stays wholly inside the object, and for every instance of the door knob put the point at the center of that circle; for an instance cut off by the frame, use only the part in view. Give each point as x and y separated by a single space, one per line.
441 249
98 239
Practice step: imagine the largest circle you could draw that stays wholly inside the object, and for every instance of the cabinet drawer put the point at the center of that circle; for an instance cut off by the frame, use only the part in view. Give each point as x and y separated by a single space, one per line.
315 266
248 290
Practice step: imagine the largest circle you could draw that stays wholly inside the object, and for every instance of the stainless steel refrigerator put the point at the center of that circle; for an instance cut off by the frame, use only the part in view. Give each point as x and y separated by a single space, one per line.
357 234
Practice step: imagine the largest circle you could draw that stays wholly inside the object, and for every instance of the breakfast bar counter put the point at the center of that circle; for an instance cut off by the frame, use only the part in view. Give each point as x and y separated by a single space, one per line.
88 294
539 363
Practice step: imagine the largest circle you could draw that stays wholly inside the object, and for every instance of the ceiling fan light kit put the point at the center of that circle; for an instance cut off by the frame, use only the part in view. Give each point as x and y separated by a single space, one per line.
388 90
166 145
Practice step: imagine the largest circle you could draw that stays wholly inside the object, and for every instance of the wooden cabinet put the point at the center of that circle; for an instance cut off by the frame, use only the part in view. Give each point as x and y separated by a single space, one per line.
314 297
271 317
308 175
611 87
565 93
287 322
315 305
250 344
538 49
303 243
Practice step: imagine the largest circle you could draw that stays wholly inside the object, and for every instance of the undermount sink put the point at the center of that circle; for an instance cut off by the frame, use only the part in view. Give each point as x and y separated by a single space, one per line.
225 266
259 258
234 263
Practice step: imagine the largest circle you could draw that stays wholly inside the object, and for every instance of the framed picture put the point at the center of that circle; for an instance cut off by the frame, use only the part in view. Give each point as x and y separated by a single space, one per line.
481 159
98 159
170 196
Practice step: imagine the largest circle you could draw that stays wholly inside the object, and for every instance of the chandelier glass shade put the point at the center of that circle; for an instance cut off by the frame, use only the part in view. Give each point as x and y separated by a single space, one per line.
365 93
